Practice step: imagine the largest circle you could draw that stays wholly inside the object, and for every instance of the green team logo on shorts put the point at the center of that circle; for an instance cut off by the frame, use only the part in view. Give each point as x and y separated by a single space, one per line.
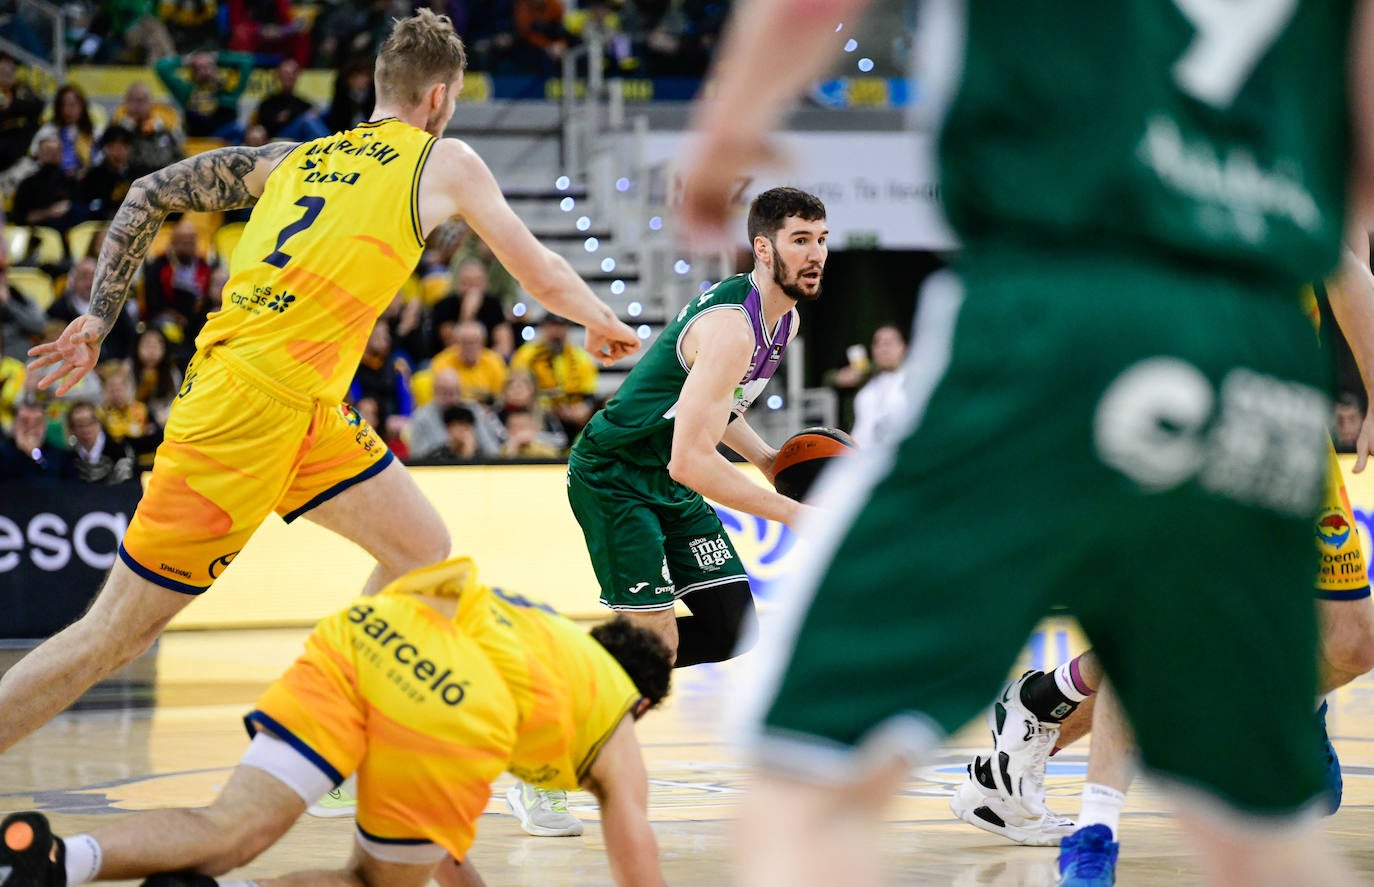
711 554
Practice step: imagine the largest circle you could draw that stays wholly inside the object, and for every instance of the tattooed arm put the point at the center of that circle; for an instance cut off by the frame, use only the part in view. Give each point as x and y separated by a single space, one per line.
226 178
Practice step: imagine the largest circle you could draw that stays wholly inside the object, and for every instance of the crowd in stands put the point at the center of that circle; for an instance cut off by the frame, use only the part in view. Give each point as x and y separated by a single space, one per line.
641 38
449 375
454 371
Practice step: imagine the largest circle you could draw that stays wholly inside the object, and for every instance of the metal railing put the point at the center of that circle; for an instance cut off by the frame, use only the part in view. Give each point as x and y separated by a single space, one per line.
44 22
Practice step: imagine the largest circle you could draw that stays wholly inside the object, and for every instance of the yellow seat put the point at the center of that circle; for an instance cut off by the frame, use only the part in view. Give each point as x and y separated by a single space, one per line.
48 246
34 284
79 238
226 238
200 144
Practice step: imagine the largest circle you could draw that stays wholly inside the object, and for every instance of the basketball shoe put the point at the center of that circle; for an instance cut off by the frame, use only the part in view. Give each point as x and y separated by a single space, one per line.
1087 858
542 812
30 854
1022 746
1335 785
979 802
340 802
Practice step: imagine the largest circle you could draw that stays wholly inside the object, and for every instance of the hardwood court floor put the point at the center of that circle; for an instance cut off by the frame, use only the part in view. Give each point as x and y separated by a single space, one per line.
90 765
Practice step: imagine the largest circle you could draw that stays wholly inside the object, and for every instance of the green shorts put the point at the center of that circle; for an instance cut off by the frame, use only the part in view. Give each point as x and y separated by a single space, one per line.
1143 445
651 539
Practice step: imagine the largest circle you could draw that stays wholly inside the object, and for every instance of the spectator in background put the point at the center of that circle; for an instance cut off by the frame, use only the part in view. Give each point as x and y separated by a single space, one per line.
209 95
126 31
354 96
409 330
472 299
385 378
20 319
28 454
283 114
105 185
703 21
491 36
540 36
500 283
352 32
564 374
481 371
602 19
47 196
75 301
123 417
71 125
177 283
519 396
882 397
268 27
12 374
98 459
523 439
156 128
21 113
192 24
460 427
425 435
1350 413
157 379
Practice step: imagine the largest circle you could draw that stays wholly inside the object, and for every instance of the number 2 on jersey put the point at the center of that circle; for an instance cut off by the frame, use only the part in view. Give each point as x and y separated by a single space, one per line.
312 205
1232 36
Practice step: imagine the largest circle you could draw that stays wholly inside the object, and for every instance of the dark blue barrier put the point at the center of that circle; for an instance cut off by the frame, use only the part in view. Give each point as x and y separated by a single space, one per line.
57 541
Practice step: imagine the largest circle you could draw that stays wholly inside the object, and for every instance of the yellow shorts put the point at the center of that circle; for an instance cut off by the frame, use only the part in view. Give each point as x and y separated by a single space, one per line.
1342 575
237 447
393 691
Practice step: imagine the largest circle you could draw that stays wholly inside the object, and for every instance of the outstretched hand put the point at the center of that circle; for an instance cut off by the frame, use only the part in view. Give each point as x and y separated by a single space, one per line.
712 179
71 356
612 343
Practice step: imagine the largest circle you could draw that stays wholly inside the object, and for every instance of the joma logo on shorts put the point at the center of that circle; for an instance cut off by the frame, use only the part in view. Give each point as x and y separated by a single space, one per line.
711 553
407 654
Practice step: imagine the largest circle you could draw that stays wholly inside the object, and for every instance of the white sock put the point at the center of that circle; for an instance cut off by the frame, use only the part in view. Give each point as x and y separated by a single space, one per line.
1064 679
1101 806
83 859
238 884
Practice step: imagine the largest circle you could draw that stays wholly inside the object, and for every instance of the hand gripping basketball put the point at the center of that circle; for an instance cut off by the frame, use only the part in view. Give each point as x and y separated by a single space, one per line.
802 457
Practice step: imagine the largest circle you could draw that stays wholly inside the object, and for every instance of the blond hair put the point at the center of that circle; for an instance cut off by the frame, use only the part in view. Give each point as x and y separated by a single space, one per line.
422 50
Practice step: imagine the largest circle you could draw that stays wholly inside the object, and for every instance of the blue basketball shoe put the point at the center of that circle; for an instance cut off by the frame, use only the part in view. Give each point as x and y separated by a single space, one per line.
1087 858
1335 785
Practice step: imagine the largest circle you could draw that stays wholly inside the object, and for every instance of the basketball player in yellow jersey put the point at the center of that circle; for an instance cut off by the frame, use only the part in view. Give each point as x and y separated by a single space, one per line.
428 691
337 226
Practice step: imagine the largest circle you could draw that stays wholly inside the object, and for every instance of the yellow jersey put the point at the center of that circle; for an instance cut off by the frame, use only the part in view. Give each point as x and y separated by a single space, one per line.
334 236
570 694
428 710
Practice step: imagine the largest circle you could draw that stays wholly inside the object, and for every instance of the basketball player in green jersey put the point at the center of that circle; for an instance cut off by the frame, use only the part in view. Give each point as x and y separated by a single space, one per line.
639 475
1118 370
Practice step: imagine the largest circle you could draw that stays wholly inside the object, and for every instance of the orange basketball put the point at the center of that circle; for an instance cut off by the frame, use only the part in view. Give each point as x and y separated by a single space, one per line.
804 455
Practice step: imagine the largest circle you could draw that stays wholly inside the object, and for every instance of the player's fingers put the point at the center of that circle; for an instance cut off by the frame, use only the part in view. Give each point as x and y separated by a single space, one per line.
1361 455
53 376
47 358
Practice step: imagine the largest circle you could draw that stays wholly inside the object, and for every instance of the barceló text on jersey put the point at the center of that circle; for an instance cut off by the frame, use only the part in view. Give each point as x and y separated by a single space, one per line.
378 151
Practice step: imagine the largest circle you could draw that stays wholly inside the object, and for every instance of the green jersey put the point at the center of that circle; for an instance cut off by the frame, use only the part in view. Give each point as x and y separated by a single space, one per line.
1202 130
636 426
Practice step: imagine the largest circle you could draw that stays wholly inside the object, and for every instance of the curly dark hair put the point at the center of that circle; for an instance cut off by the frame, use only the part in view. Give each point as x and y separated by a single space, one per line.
643 655
771 208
